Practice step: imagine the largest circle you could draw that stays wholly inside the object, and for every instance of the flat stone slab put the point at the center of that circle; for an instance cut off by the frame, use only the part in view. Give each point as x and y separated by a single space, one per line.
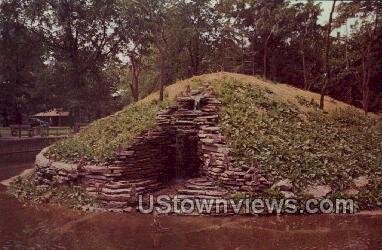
42 161
283 185
288 194
351 192
361 181
318 191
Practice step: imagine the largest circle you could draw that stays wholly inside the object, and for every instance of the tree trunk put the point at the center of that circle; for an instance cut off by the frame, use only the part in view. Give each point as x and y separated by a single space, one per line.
253 58
272 75
134 88
366 79
327 51
265 60
304 71
266 53
197 59
323 91
366 66
162 77
242 55
193 51
303 56
160 44
135 72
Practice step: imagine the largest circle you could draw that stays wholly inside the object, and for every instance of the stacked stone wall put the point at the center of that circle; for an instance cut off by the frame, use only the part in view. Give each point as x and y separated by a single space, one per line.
186 143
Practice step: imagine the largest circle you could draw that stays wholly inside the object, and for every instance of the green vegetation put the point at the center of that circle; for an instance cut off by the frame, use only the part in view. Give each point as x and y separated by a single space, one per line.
26 191
98 142
287 134
305 145
5 132
309 104
80 69
59 131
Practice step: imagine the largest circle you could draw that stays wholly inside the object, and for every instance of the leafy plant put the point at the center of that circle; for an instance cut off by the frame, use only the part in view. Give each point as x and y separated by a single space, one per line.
71 196
98 142
306 147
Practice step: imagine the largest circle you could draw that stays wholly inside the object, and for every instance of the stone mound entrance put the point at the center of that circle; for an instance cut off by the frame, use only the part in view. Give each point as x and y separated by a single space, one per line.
186 143
186 161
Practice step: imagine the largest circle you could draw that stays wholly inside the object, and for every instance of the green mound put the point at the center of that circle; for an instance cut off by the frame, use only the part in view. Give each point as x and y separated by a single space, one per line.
279 126
302 143
98 142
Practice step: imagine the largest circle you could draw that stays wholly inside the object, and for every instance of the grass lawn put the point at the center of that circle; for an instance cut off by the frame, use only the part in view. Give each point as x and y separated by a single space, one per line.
5 132
53 131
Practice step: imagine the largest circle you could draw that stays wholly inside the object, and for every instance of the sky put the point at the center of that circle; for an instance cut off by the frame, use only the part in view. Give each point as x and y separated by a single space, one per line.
326 6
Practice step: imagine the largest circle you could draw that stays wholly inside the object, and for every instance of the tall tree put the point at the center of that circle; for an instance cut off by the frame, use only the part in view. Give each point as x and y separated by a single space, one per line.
307 38
136 37
200 21
266 25
326 56
81 36
367 30
21 60
168 35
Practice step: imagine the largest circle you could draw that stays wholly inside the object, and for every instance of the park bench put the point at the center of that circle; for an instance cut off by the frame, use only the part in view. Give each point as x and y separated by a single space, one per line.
18 129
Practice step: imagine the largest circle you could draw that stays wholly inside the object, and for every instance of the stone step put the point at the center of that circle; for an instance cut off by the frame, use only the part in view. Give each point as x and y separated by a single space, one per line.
201 192
116 191
198 187
199 196
115 197
201 182
129 183
95 177
143 182
118 185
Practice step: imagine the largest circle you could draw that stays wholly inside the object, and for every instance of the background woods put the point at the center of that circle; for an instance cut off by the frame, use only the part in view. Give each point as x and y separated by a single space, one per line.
92 57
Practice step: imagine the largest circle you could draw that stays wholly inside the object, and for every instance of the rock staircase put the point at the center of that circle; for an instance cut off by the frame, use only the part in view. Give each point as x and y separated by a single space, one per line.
203 191
117 196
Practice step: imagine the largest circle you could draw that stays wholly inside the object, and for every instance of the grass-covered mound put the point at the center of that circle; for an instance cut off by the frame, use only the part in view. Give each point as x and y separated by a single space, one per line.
276 124
295 140
98 142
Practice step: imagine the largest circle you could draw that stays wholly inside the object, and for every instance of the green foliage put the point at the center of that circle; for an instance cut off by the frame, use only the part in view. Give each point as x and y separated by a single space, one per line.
309 104
21 61
273 194
291 141
26 191
238 196
99 141
319 148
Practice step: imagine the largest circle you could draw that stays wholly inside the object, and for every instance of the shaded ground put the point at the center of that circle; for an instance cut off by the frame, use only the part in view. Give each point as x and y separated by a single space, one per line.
55 227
